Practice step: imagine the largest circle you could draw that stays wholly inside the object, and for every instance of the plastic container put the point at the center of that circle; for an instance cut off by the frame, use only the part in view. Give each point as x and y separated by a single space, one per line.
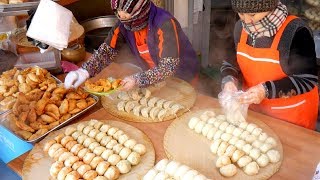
49 60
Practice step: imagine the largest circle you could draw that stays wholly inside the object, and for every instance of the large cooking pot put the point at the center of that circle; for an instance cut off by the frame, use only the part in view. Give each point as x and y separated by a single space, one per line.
96 30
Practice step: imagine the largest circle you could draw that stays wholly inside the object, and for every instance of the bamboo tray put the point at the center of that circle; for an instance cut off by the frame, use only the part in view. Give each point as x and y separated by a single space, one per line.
184 145
37 163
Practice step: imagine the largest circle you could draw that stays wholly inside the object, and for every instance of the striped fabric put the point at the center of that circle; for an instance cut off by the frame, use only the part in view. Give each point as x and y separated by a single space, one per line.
269 25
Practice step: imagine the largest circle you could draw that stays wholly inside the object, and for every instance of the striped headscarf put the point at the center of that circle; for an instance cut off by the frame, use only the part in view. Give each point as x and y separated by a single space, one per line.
138 9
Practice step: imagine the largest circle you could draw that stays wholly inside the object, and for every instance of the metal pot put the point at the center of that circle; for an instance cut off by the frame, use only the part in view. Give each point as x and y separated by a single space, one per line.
75 53
96 30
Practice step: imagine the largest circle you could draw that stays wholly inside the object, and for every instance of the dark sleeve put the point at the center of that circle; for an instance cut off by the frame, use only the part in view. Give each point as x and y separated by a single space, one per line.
230 67
106 52
301 68
167 36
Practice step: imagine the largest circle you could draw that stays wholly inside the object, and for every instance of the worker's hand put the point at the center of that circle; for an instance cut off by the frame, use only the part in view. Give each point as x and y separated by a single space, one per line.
75 78
230 87
253 95
128 83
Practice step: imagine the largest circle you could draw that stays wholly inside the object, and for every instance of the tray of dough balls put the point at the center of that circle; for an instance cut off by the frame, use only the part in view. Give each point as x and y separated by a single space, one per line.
208 142
161 102
91 150
37 103
173 170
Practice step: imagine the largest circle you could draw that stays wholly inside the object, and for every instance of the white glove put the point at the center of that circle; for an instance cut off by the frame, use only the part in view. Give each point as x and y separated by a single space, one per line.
75 78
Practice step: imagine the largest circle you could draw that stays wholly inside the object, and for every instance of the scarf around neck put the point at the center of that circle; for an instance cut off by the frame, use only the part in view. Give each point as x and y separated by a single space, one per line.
267 26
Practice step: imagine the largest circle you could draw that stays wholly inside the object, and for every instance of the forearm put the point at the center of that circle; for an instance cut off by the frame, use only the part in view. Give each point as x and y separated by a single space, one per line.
100 59
166 68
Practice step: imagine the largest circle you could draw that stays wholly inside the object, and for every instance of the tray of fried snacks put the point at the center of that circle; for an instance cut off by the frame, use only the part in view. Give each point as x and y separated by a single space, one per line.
102 87
41 104
95 149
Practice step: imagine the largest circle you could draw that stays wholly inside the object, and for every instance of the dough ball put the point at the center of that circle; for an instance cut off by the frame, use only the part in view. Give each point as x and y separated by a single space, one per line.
237 132
82 138
55 168
263 136
243 125
237 155
124 166
251 169
99 136
102 167
161 165
124 153
104 128
161 176
263 160
250 138
76 134
134 158
193 122
204 117
71 160
217 123
222 161
223 126
118 134
257 144
265 147
91 174
206 128
211 133
247 148
114 159
150 174
251 127
271 141
130 143
273 155
221 117
87 129
217 135
72 175
105 140
63 172
257 132
70 130
233 140
226 137
211 120
95 161
181 171
106 154
83 169
210 113
244 160
112 131
240 143
230 129
88 141
222 148
88 158
83 152
228 170
200 177
98 125
123 138
172 167
111 144
117 148
99 150
140 148
215 145
93 133
112 173
93 145
230 150
191 174
255 153
81 126
244 135
100 178
199 127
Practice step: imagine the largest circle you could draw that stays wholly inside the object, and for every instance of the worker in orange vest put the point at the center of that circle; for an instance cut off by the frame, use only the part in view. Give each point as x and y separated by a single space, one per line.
275 56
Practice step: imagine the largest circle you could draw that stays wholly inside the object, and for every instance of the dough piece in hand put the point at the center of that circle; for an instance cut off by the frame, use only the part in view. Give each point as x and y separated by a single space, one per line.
257 132
215 145
151 174
140 148
226 137
255 153
237 155
222 148
265 147
193 122
172 168
55 168
199 127
271 141
112 173
222 161
251 127
161 165
251 169
237 132
247 148
262 137
181 171
230 150
124 166
63 172
211 133
244 160
230 129
206 128
134 158
263 160
273 155
114 159
217 135
228 170
240 143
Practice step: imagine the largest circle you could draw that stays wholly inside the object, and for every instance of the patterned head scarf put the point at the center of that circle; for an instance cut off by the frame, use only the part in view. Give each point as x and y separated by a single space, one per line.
138 9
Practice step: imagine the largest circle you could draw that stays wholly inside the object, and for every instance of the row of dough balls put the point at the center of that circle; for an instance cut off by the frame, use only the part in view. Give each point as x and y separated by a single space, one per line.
173 170
135 94
75 166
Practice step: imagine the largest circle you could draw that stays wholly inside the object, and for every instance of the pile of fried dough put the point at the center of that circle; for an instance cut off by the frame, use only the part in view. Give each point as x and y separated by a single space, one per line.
102 85
38 102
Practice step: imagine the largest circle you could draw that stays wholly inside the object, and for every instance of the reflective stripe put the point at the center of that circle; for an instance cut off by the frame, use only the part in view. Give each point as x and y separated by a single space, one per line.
144 52
290 106
258 59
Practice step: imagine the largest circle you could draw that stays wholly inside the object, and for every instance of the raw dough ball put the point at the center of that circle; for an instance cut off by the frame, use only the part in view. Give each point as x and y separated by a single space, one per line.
102 167
251 169
95 161
226 137
134 158
63 172
98 125
230 150
93 145
76 134
223 126
221 117
206 128
223 161
222 148
72 175
123 138
271 141
251 127
244 135
112 173
215 145
55 168
150 174
217 123
181 171
140 148
265 147
76 165
93 133
250 138
83 169
124 153
211 120
199 127
211 133
118 134
190 175
193 122
228 170
88 158
88 141
124 166
82 152
117 148
87 129
263 136
247 148
112 131
237 132
70 130
70 161
161 176
161 165
114 159
273 155
82 138
104 128
237 155
99 150
257 132
172 167
255 153
263 160
106 154
200 177
230 129
233 140
81 126
111 144
204 117
243 125
240 143
257 144
217 135
130 143
244 160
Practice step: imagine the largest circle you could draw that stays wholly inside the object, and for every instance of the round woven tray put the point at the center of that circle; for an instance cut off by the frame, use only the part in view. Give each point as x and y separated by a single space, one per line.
37 163
175 90
184 145
313 14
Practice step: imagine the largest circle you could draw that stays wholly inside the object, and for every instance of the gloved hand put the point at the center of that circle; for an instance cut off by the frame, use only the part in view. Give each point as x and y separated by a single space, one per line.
128 83
75 78
253 95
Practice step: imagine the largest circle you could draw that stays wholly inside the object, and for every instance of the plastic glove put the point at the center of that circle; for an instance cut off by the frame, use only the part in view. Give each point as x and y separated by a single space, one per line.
253 95
128 83
75 78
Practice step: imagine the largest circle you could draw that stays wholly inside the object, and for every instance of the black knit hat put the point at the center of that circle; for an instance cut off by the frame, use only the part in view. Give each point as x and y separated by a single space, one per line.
253 6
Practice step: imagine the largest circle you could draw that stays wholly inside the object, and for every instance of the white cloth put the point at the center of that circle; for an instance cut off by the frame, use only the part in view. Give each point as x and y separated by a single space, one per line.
75 78
51 24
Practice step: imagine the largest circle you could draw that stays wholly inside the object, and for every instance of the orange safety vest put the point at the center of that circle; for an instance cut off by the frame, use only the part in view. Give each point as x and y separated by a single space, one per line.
259 65
142 46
